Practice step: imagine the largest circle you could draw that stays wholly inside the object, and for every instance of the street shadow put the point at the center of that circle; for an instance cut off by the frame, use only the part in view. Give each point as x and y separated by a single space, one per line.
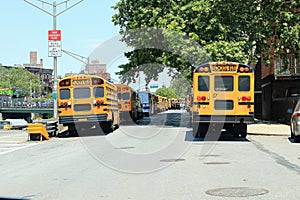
82 132
225 136
166 119
291 140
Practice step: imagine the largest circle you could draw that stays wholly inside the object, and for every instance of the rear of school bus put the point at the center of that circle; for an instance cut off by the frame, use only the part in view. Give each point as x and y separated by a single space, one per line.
86 100
223 98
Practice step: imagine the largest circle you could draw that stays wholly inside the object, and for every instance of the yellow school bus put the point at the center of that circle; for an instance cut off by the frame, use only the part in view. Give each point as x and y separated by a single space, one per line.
87 100
223 96
129 103
160 103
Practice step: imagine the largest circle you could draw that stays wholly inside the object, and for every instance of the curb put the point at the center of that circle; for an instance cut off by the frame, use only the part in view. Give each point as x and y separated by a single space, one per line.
269 134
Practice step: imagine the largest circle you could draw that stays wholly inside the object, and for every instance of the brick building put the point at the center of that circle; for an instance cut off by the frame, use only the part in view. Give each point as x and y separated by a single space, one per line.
280 88
96 68
44 75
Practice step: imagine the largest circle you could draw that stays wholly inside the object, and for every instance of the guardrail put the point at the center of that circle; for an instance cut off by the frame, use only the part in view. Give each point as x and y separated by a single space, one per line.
25 104
52 128
42 130
37 131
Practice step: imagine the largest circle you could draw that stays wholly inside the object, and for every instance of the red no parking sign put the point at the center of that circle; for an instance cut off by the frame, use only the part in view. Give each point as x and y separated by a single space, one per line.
54 35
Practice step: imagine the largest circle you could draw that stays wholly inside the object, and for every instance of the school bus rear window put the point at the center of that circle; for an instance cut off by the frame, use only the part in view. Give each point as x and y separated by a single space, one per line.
244 83
81 93
64 94
224 83
99 92
126 96
223 105
203 83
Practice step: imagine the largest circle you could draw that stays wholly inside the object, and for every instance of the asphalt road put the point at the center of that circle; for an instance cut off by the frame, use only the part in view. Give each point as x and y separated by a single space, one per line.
156 159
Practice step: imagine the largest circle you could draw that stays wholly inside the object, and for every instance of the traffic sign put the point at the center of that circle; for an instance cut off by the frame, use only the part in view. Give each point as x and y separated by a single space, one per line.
153 86
54 49
54 35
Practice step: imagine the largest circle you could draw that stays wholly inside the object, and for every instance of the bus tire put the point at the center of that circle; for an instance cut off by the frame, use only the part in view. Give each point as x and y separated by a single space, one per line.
296 139
202 129
240 129
195 129
107 127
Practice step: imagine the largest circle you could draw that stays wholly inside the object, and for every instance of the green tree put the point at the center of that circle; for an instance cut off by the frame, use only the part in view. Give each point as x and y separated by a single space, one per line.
19 79
242 31
165 92
181 86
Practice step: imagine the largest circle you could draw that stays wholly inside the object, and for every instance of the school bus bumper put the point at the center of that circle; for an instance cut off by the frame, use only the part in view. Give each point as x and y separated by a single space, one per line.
249 119
84 118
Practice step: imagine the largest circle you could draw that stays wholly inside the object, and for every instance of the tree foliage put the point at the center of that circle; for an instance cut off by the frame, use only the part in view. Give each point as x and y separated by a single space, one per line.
242 31
18 78
165 92
181 86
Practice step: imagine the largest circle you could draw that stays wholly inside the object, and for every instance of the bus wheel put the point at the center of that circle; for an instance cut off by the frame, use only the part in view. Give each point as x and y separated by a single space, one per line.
240 129
296 139
203 128
107 127
195 129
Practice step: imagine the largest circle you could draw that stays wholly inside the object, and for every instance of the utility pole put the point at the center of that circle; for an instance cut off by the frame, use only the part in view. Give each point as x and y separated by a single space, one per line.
84 60
54 14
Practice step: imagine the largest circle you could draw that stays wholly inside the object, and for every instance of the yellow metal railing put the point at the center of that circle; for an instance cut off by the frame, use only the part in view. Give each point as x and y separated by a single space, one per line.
37 132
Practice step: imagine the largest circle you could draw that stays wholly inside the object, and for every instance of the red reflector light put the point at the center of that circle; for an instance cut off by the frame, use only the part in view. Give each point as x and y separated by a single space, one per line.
203 98
248 98
66 82
244 98
97 81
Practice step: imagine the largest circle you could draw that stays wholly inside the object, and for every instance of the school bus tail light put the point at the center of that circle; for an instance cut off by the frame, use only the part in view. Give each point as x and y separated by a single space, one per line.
65 105
246 98
202 98
98 102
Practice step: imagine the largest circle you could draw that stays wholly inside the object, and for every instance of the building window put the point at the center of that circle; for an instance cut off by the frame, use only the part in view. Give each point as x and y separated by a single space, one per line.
287 64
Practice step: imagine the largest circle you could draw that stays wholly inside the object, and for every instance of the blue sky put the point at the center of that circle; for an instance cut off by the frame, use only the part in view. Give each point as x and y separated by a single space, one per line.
87 29
24 28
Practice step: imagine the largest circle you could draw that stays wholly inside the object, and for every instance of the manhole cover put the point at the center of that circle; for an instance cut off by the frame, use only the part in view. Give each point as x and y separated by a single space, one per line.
124 147
172 160
217 163
237 192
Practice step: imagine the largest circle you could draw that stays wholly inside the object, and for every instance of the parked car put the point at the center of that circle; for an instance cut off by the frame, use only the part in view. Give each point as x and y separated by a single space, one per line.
17 123
295 123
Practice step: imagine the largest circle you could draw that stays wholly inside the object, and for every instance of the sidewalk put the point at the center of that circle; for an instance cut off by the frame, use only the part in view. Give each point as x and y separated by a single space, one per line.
269 129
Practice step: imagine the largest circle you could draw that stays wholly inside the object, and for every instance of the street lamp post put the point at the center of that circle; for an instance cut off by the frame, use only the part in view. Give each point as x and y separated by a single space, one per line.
54 14
84 60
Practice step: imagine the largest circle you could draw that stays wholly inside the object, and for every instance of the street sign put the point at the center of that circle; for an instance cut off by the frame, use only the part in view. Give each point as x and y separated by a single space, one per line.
54 35
54 49
54 95
153 86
